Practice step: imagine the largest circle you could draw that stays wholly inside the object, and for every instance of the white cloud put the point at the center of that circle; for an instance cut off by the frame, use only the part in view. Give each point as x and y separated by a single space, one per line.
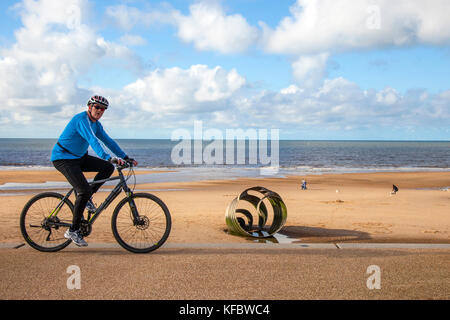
315 30
440 106
126 18
209 28
132 40
339 105
123 16
339 25
176 90
53 49
310 70
292 89
21 117
388 96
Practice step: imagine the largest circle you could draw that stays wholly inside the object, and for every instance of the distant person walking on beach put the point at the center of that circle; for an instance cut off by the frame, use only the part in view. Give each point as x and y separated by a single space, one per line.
394 189
70 157
304 184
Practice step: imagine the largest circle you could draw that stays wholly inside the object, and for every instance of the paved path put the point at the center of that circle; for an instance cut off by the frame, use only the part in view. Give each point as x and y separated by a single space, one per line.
267 245
230 271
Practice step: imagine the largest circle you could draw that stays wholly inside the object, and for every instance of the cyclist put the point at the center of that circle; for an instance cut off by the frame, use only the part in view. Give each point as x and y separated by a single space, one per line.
70 157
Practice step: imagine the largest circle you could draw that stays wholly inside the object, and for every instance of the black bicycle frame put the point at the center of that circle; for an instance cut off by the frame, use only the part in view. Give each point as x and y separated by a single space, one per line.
122 185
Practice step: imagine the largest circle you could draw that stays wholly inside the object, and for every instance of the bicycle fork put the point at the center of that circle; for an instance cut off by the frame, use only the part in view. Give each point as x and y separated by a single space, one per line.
132 204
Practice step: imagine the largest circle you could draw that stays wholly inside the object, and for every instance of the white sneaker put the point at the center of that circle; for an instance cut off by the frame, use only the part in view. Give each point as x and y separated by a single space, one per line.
76 237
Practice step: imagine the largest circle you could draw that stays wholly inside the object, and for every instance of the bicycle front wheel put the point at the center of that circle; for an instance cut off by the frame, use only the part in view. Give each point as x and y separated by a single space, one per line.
150 231
44 219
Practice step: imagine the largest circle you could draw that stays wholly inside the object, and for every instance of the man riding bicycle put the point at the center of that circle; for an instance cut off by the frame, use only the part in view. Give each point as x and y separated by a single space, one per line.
70 157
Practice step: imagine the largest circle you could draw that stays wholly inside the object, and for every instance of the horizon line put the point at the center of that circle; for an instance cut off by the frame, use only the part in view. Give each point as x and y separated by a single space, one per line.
336 140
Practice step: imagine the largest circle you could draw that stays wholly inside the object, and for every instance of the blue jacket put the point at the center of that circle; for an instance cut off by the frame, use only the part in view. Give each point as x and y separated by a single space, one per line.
81 132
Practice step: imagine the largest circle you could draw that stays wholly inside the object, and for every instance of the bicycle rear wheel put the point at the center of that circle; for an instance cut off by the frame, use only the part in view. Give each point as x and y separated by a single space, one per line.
147 234
43 223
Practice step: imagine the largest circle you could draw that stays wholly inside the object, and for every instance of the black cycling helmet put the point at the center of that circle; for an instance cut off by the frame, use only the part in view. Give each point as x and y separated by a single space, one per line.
98 100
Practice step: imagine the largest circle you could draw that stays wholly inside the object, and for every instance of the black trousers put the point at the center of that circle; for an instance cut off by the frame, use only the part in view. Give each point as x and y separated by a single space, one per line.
73 170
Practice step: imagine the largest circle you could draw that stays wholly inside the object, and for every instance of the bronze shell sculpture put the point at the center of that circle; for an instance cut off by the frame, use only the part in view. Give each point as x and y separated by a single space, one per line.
241 221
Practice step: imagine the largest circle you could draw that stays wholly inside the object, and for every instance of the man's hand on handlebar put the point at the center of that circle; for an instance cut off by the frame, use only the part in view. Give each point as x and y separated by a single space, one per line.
117 161
131 160
122 162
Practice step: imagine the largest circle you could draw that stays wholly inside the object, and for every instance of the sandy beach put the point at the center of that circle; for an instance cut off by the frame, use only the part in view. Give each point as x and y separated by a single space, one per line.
355 207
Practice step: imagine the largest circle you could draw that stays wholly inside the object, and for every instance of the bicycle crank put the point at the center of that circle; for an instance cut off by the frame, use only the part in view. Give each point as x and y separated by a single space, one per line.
85 228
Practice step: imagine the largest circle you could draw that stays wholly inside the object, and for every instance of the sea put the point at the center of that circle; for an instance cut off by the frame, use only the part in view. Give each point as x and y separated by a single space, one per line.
291 157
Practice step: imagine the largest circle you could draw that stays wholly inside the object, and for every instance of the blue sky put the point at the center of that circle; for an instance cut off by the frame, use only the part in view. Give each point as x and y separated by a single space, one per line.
315 70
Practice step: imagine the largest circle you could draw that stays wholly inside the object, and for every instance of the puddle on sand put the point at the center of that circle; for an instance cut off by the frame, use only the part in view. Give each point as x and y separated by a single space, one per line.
435 188
282 238
276 238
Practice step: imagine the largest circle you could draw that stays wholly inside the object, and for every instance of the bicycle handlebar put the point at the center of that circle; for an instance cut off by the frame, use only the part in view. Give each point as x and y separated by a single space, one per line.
126 164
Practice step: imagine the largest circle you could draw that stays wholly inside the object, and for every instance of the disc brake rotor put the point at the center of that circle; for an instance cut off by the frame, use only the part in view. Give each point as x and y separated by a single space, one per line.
143 223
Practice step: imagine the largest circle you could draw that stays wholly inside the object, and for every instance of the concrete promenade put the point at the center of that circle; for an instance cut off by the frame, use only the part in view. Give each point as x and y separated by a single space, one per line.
239 271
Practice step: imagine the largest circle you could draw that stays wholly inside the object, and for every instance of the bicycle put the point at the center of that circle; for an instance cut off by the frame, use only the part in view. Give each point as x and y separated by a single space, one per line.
142 226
